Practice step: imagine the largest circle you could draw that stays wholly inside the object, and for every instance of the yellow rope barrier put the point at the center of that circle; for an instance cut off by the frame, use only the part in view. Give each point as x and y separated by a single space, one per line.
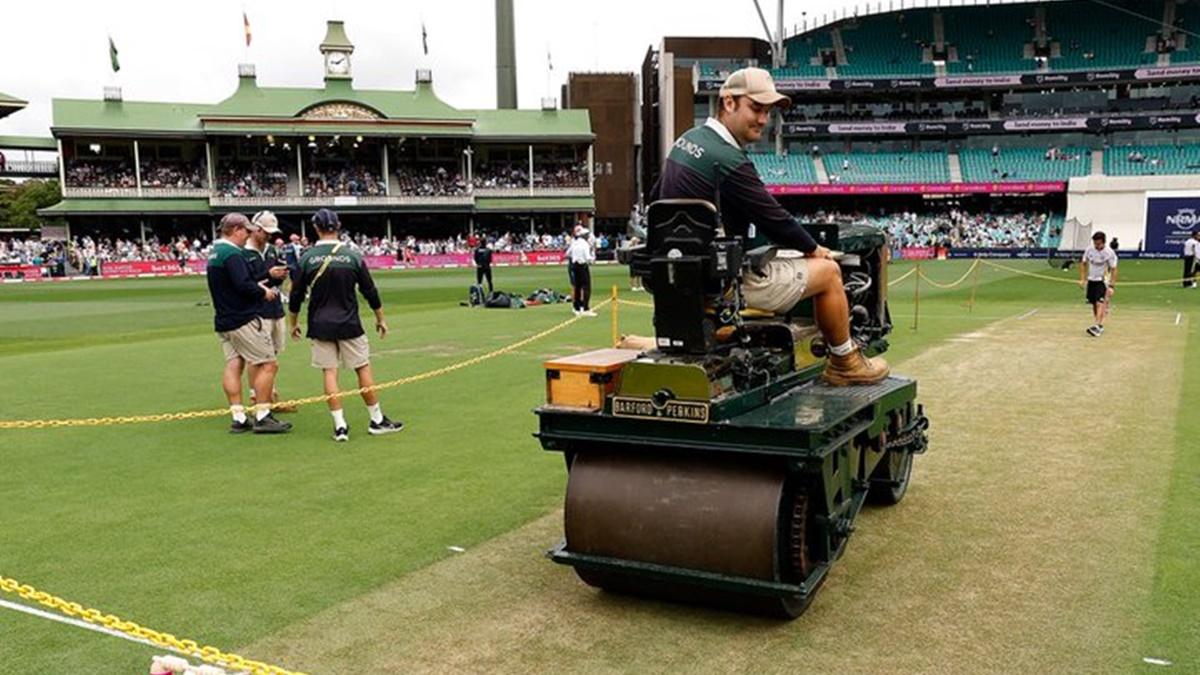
1047 277
902 277
956 283
166 640
217 412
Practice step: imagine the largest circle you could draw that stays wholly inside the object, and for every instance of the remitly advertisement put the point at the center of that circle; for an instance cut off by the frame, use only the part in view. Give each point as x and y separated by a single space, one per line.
1170 219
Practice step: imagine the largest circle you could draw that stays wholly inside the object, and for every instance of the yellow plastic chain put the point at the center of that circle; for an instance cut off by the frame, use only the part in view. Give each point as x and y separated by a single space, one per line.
218 412
166 640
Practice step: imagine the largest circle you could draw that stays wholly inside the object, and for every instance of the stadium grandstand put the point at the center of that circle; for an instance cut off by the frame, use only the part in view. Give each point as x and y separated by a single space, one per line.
393 163
1076 109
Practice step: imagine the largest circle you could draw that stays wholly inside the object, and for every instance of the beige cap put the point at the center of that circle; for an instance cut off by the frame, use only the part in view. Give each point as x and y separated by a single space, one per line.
755 83
267 221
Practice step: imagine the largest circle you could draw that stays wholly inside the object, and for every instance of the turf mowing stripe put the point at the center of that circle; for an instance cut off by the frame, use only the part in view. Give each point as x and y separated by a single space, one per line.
1018 548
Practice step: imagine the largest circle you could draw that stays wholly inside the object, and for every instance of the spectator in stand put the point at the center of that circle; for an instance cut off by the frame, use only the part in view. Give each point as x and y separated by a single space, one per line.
3 163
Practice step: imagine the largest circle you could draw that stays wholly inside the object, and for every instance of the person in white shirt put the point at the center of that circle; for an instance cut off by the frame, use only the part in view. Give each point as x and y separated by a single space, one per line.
1099 270
1191 257
581 254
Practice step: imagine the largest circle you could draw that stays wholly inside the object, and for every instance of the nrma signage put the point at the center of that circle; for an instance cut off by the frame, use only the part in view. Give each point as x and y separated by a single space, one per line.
1170 221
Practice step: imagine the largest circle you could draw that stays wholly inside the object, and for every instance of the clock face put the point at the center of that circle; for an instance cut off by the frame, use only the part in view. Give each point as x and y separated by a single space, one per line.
337 63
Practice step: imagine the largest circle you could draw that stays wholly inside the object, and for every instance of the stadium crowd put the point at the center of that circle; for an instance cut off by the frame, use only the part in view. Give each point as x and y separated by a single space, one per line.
953 228
166 175
430 182
97 174
257 179
349 180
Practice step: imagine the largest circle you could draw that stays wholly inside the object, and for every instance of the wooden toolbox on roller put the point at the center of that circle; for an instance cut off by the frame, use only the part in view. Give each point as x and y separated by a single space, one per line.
583 380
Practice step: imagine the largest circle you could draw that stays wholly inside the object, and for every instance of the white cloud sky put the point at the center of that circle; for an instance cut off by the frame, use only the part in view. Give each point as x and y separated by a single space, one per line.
189 51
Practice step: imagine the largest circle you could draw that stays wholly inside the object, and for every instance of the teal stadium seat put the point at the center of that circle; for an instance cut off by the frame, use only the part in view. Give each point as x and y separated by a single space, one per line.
887 45
1156 160
887 167
1189 14
1023 164
784 169
992 46
1111 37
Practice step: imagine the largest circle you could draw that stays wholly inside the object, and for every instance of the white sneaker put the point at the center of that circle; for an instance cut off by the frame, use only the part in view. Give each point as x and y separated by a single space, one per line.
589 313
576 312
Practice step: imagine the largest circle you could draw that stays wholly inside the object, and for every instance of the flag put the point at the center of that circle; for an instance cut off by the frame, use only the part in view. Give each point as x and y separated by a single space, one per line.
246 26
112 55
424 39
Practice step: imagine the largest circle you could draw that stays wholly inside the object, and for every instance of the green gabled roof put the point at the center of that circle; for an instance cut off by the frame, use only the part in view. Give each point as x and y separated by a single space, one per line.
524 125
251 100
28 143
106 206
526 204
254 109
83 115
10 104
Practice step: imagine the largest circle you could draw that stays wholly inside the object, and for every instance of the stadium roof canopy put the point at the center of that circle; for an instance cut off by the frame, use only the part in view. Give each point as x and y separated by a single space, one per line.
10 104
337 108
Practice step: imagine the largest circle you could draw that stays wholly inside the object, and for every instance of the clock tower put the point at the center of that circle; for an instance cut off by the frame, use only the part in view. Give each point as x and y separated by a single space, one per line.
336 50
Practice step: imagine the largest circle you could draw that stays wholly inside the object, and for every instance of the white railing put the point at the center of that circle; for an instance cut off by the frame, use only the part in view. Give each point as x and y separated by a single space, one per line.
335 201
582 191
175 192
99 192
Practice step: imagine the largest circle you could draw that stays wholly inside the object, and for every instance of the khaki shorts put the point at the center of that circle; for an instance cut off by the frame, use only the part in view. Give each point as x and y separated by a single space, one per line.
783 286
250 342
352 354
277 329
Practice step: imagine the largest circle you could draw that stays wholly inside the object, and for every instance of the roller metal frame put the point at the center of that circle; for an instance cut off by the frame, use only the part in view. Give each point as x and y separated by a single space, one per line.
819 453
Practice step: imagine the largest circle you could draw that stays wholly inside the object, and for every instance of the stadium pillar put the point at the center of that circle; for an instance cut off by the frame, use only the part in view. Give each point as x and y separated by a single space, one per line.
142 230
591 168
469 172
530 169
137 172
62 168
387 182
471 224
212 185
389 227
300 178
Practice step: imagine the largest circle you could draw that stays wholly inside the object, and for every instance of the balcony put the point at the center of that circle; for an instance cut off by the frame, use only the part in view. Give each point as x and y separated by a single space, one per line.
581 191
133 193
318 202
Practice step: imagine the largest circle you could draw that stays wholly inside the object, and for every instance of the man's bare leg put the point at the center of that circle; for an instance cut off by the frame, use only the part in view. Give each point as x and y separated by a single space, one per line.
380 424
231 382
847 365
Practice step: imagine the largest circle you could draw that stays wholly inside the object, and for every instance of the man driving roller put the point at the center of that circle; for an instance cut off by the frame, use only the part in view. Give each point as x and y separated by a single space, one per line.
711 157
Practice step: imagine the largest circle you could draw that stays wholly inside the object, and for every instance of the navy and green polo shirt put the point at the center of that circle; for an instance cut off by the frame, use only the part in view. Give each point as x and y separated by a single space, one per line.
706 158
235 295
333 306
260 264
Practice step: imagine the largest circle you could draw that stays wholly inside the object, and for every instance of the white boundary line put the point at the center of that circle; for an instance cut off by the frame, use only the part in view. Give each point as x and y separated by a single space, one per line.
1028 314
78 623
1178 316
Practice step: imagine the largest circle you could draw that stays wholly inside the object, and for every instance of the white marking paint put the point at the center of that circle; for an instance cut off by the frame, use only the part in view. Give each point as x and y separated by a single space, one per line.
1178 316
78 623
1028 314
457 549
1156 662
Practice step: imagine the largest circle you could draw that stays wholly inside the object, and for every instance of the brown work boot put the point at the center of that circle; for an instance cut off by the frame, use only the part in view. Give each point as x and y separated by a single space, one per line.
855 368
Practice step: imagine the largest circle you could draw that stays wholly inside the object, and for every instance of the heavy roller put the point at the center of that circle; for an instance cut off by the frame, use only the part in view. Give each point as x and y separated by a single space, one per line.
713 466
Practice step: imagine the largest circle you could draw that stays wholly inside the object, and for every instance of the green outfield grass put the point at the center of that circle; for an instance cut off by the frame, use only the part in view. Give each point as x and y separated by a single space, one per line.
259 543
